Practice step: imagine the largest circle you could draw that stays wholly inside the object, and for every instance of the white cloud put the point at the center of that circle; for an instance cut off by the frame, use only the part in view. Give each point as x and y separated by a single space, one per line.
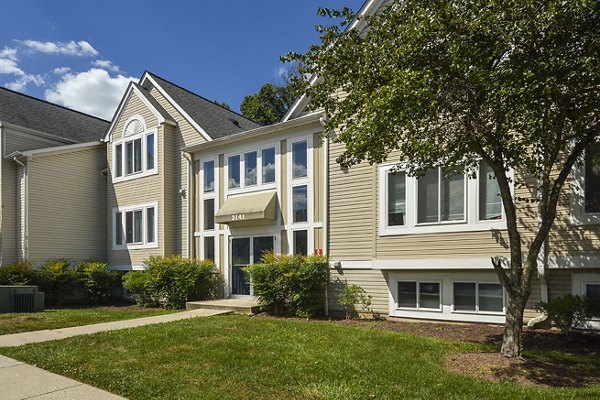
61 70
107 65
10 67
9 53
94 92
72 48
21 84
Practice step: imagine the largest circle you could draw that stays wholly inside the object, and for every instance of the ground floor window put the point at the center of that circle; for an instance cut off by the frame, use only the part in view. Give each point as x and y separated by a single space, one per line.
419 295
135 226
246 251
478 297
300 242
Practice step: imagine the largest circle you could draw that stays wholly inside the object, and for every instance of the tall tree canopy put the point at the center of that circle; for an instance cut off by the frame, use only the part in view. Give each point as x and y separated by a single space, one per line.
514 84
269 105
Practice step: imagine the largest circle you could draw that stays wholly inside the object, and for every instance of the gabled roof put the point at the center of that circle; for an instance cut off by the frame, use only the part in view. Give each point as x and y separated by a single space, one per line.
214 120
39 115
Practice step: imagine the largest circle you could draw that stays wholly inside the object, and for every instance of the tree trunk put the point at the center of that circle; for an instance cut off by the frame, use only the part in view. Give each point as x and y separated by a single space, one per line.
511 342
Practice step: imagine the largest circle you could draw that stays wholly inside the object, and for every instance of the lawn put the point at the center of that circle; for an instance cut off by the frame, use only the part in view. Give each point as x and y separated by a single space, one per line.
234 356
67 317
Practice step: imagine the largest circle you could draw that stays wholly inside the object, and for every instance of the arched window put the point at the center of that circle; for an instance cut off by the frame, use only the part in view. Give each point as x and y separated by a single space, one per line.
135 153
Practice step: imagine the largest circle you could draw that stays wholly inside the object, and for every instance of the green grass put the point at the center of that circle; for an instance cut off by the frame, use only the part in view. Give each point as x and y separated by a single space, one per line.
240 357
67 317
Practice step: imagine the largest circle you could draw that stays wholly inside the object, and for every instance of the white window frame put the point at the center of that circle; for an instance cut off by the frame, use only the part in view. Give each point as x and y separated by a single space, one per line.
418 307
259 186
579 281
440 177
477 311
131 138
470 223
144 244
578 214
208 196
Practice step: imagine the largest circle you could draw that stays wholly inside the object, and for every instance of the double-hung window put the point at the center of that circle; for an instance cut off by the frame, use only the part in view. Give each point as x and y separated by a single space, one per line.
135 154
299 207
438 201
592 180
135 226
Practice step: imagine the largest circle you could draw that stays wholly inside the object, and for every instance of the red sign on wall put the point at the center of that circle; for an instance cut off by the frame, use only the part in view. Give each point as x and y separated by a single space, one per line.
318 252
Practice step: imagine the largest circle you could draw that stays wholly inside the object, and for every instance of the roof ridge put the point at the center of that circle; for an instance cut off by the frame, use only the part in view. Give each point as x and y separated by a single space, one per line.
202 97
53 104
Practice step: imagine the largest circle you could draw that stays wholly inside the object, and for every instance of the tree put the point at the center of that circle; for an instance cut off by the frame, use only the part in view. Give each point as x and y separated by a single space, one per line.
222 104
514 84
269 105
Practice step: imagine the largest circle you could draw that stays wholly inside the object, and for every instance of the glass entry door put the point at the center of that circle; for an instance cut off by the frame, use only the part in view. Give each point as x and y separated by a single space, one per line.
246 251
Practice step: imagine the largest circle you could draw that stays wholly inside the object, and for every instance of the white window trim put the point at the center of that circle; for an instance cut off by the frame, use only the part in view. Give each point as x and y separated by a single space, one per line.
578 288
259 186
204 233
477 311
125 139
578 214
471 222
144 244
418 307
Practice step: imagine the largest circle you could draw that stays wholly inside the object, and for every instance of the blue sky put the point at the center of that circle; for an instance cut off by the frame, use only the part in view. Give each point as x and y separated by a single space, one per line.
82 54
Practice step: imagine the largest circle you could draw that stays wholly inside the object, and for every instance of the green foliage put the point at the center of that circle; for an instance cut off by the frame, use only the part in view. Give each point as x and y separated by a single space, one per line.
56 279
18 273
222 104
290 285
569 312
99 282
171 281
269 105
352 296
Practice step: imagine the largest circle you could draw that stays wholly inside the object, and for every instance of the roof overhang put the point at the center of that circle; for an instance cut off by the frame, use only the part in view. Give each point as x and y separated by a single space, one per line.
248 209
258 132
30 154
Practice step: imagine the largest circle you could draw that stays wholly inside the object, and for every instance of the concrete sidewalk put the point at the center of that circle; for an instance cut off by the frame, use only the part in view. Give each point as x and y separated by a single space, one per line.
19 339
20 381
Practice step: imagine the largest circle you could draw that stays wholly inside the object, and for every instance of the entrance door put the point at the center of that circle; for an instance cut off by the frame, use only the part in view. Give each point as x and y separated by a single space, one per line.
246 251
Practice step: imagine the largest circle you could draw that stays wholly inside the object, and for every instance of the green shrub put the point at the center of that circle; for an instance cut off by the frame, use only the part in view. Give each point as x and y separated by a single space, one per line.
353 297
56 279
18 273
99 282
569 312
171 281
290 285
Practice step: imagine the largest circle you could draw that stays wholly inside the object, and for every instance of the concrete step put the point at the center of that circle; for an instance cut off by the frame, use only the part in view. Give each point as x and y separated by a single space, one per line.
240 306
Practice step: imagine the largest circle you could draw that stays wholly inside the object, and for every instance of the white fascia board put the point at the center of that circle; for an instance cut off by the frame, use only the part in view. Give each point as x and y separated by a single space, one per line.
23 130
177 106
370 7
58 149
484 263
130 90
257 132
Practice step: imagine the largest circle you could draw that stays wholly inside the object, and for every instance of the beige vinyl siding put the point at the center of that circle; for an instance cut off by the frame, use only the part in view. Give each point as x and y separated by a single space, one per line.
374 282
351 209
318 176
17 141
168 194
134 106
67 206
183 135
284 185
10 228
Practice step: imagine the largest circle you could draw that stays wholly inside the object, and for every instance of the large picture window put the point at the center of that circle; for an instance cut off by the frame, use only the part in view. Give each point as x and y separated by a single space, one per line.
478 297
419 295
440 198
135 154
243 169
135 226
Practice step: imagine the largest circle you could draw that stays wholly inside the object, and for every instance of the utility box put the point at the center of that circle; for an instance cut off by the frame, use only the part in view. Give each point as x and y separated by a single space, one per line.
21 299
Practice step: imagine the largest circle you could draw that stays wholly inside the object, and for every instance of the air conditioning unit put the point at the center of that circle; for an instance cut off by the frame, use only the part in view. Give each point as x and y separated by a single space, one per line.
21 299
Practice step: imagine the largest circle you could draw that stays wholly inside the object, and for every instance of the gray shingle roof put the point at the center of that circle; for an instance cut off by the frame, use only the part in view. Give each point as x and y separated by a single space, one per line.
217 121
153 101
26 111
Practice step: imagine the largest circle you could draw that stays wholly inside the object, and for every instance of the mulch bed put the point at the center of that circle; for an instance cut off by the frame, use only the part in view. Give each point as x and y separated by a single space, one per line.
494 367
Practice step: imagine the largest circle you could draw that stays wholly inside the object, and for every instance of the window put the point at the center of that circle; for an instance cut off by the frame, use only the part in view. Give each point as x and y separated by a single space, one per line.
396 198
490 202
233 172
268 165
209 214
209 248
592 292
438 202
419 295
440 198
250 172
301 242
135 154
299 203
208 169
299 159
478 297
135 226
592 180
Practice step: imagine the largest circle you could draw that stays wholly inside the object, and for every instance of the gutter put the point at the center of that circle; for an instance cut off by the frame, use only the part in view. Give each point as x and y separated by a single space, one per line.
25 238
326 212
1 192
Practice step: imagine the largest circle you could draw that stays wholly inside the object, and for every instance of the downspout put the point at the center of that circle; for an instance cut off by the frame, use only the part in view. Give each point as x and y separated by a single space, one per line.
1 191
189 211
326 213
25 249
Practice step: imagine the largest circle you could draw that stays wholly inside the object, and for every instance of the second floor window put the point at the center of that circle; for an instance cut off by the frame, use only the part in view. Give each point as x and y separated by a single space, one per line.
592 180
135 153
243 169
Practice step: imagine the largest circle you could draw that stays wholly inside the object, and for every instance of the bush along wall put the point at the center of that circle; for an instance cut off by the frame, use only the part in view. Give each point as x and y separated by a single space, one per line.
172 281
88 282
290 285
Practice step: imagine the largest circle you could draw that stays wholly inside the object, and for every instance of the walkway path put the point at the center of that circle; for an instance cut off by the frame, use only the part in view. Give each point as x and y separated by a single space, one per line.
20 381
